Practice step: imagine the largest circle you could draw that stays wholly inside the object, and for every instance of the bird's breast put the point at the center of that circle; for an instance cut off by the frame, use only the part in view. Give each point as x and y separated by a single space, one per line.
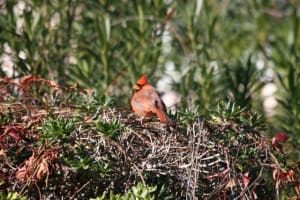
141 106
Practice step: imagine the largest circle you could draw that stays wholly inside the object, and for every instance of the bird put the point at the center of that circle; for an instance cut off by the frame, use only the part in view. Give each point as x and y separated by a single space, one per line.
146 101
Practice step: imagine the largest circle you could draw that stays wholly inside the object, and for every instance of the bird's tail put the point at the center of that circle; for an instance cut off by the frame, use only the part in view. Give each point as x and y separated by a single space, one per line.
163 117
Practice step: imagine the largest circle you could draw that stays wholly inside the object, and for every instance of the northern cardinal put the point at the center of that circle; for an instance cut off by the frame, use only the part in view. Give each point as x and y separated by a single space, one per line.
146 101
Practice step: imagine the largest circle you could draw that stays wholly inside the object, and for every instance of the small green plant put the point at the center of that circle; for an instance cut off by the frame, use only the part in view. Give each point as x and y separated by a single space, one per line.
187 116
85 163
138 192
78 163
79 159
4 119
109 129
11 196
90 103
57 130
227 112
238 122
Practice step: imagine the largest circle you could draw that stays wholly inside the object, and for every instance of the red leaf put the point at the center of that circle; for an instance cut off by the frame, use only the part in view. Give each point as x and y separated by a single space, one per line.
27 80
5 80
53 84
14 131
282 175
291 173
246 179
280 137
15 135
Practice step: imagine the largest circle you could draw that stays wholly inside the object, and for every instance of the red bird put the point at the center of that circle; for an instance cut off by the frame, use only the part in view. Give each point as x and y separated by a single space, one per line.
146 101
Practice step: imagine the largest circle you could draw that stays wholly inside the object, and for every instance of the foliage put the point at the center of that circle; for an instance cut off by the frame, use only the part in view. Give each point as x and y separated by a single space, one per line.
231 112
75 40
11 196
109 129
138 192
101 40
242 82
87 55
188 116
57 130
288 79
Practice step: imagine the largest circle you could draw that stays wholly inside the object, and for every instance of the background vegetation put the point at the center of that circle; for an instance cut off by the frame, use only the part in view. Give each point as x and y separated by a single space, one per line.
210 50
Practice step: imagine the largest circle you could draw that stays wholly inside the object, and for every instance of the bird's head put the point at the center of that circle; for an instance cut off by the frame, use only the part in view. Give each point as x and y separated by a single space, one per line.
141 82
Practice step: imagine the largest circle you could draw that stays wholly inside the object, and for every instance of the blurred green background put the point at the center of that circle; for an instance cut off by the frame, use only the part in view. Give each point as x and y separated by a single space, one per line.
207 51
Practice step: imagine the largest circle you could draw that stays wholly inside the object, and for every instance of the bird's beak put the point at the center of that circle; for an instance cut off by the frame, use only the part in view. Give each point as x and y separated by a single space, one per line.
136 87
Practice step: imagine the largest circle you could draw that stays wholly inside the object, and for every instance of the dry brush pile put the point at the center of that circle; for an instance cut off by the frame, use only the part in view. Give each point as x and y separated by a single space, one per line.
65 142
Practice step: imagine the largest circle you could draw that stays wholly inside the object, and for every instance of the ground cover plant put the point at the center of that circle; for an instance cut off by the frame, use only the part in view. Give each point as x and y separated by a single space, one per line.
66 142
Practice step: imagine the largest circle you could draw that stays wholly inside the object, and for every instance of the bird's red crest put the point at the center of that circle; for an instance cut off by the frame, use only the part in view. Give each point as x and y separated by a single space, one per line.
143 80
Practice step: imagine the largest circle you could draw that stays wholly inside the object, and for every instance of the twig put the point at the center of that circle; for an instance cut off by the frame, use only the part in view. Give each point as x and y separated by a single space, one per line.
81 188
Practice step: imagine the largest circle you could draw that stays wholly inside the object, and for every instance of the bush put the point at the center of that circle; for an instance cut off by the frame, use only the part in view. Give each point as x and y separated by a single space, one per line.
87 55
71 153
